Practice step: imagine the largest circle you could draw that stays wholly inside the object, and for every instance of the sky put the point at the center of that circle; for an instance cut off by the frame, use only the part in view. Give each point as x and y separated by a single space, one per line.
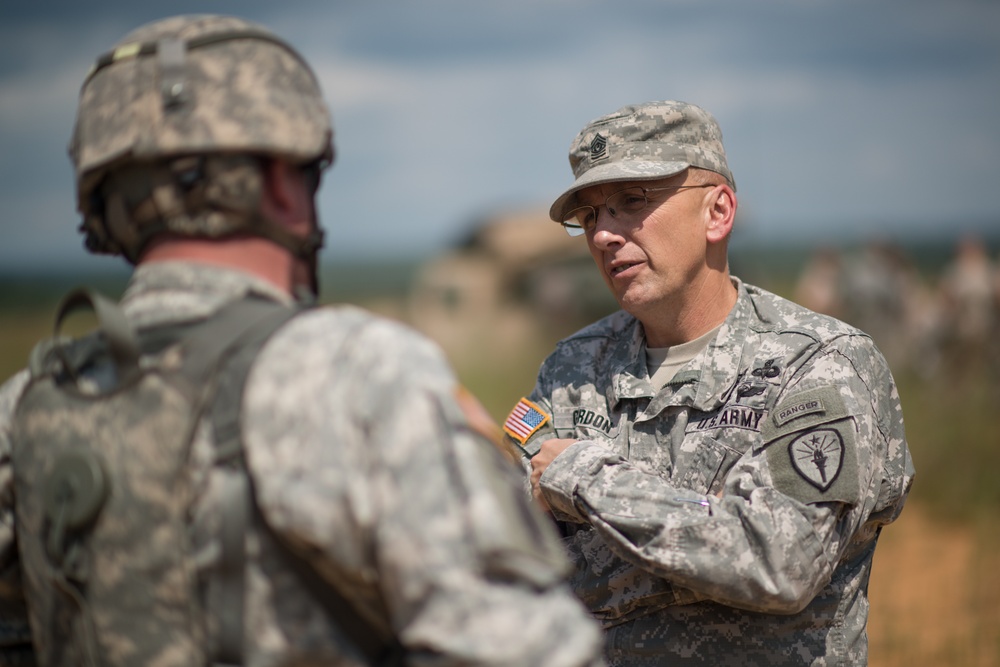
842 120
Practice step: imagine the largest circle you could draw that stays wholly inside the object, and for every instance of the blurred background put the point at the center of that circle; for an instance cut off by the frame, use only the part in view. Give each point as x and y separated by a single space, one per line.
862 135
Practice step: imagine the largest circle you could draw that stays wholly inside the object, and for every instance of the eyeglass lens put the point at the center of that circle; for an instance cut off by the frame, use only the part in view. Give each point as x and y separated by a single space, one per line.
579 220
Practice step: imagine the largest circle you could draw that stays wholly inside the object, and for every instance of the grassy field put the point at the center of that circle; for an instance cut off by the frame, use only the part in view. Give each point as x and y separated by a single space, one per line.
935 589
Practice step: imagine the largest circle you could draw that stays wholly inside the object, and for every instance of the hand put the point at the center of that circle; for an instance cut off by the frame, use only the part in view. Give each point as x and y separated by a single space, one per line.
540 461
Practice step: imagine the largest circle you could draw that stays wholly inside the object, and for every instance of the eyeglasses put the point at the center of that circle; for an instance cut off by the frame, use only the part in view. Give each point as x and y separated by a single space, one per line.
622 203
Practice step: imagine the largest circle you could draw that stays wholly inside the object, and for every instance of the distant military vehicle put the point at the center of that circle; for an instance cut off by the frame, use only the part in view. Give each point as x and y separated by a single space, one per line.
515 276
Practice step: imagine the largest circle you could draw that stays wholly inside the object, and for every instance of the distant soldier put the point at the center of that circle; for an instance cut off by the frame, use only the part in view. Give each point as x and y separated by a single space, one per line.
883 295
820 283
968 303
720 460
220 475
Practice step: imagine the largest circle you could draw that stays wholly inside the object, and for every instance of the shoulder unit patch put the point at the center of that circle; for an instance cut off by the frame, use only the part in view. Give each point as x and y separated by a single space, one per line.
811 446
818 456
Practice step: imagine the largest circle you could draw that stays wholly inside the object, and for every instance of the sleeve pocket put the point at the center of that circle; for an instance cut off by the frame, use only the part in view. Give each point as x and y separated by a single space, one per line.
811 443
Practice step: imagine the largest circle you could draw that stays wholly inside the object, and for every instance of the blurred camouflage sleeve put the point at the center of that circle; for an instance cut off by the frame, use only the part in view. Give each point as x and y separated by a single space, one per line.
766 541
15 633
372 465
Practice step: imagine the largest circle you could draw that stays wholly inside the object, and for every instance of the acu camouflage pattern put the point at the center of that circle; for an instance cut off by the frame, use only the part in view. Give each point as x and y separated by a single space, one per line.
643 142
249 94
692 536
363 463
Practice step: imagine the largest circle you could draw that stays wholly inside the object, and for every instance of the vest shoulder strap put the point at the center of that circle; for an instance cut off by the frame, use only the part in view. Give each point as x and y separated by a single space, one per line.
239 508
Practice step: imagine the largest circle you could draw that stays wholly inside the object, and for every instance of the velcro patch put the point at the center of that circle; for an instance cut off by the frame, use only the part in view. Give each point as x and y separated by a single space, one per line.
818 456
730 416
811 442
524 421
802 410
799 409
817 465
584 422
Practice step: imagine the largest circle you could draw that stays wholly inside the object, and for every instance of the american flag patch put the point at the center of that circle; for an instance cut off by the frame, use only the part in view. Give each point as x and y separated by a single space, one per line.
524 420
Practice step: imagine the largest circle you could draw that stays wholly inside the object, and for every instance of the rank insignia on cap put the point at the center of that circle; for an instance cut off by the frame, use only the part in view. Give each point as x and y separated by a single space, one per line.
598 147
524 420
817 456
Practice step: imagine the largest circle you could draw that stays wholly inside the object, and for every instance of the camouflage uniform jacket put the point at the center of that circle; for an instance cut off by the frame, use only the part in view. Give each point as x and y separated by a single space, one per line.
362 460
731 516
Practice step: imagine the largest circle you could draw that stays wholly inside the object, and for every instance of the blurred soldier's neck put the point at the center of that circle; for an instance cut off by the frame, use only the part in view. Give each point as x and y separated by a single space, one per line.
287 202
256 256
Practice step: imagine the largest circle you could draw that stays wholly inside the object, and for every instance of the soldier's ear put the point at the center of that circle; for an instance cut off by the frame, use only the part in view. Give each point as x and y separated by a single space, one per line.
720 213
286 197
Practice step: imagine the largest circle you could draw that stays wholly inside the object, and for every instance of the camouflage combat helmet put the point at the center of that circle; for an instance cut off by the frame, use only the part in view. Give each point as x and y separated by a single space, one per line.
189 105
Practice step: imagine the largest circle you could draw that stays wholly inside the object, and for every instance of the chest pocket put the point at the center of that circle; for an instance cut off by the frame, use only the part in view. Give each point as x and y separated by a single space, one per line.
702 462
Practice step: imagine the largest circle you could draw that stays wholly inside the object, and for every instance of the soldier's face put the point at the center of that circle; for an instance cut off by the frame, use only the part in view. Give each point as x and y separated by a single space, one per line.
654 259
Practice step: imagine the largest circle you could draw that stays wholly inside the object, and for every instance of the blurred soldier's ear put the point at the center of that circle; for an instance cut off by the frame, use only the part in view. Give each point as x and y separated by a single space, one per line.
287 196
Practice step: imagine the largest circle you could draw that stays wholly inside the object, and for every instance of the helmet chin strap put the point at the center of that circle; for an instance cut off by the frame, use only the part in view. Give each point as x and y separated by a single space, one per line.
310 254
305 248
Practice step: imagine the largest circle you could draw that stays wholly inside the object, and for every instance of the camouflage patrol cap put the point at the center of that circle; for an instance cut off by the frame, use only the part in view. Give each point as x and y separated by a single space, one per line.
643 142
197 84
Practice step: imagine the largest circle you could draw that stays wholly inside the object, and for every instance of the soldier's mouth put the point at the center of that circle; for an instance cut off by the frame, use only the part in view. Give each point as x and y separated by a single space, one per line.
622 267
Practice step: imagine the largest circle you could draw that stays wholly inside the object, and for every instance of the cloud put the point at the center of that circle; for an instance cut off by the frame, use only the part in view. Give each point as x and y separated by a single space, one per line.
849 112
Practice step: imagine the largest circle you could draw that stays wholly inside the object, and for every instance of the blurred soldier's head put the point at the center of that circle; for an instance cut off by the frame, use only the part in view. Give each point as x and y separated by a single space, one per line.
176 127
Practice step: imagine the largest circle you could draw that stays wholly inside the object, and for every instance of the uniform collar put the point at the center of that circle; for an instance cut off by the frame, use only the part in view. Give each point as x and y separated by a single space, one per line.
705 383
179 291
628 370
